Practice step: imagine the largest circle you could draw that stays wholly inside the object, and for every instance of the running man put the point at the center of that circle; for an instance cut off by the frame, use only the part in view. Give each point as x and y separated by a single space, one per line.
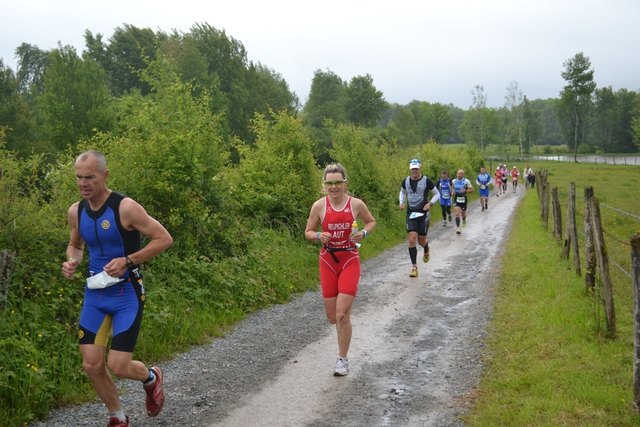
505 174
111 225
484 180
415 189
444 187
461 187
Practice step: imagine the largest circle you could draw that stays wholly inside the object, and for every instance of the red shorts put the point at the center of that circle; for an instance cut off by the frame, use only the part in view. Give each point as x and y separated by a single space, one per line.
340 277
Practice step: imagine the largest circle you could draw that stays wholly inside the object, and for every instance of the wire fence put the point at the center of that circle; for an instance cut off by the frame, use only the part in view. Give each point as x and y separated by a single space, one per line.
600 248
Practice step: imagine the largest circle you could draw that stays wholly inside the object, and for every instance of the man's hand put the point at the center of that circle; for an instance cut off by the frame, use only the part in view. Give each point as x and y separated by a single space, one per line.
69 267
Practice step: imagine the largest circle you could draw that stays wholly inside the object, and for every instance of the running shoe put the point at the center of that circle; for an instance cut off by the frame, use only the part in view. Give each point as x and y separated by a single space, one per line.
155 394
425 257
414 272
342 367
449 217
115 422
464 222
444 223
458 232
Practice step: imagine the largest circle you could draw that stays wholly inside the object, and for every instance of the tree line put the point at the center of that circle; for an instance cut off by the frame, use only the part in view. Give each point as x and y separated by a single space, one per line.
57 98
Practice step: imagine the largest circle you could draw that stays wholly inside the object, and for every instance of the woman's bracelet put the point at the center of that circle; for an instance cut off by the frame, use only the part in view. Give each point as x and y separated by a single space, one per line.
317 235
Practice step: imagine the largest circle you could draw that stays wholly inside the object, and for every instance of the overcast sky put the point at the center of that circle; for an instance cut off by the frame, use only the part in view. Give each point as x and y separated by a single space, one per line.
434 51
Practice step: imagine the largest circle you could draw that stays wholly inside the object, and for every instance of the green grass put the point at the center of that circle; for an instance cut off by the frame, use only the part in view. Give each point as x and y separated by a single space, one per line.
549 361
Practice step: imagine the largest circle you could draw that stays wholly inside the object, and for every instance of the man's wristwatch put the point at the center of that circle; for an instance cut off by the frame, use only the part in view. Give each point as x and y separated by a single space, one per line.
130 263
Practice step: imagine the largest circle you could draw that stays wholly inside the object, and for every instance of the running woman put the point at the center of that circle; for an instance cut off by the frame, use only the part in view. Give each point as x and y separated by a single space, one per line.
484 180
339 259
415 189
498 181
461 187
514 178
444 187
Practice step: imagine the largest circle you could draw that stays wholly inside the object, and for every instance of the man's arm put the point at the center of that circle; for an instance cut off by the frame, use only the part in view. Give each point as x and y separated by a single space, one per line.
75 247
134 217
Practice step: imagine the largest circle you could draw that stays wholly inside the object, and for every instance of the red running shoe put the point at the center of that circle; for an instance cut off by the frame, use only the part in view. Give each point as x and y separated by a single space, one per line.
115 422
155 394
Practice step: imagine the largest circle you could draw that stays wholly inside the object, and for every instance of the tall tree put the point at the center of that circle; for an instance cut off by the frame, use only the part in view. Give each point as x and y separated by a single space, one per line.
532 125
364 103
76 101
514 125
605 118
15 116
327 99
403 128
576 95
480 123
32 62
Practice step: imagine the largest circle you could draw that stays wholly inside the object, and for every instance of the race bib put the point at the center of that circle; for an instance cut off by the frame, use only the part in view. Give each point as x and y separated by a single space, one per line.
482 187
415 215
460 199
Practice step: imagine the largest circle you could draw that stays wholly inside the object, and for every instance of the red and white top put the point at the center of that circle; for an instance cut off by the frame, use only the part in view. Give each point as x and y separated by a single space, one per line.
338 223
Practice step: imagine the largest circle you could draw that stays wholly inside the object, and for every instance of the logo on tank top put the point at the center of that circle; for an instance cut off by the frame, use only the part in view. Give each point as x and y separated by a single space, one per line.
80 333
105 224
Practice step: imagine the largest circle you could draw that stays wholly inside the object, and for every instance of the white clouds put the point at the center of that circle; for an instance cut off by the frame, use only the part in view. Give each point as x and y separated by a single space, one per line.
429 50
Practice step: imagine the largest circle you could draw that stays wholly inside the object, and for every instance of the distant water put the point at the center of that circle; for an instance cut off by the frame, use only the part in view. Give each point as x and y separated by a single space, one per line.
607 160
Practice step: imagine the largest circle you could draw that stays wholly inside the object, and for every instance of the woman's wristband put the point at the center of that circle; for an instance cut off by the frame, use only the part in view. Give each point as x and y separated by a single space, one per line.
317 235
364 234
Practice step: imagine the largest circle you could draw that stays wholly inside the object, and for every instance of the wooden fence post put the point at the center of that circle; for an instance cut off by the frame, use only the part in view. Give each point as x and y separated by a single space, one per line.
574 232
635 271
589 248
6 269
566 244
557 213
545 204
603 266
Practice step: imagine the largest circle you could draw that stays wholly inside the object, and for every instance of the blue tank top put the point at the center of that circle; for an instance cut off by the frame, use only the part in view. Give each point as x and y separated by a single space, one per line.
103 233
445 188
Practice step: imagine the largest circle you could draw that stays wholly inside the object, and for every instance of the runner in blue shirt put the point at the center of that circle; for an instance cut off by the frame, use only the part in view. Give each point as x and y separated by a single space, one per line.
111 225
444 186
484 180
461 186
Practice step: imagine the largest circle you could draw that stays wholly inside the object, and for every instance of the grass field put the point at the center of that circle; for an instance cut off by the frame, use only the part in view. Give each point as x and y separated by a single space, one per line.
549 360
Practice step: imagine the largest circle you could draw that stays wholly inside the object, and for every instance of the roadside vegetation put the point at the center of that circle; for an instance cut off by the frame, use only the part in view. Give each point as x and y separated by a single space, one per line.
549 360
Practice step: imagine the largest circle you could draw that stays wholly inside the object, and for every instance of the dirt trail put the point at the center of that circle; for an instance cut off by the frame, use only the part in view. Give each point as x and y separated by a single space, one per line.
415 355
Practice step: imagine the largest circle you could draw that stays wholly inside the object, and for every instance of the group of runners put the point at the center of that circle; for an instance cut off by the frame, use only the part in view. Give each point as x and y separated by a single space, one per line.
421 193
110 226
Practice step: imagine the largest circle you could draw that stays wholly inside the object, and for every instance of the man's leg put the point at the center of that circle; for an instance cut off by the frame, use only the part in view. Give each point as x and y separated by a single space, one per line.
93 362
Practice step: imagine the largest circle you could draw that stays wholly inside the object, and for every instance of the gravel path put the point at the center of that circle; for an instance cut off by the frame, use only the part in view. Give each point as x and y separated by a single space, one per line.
416 352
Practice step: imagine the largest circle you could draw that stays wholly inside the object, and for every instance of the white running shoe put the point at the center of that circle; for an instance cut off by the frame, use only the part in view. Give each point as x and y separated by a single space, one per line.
342 367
